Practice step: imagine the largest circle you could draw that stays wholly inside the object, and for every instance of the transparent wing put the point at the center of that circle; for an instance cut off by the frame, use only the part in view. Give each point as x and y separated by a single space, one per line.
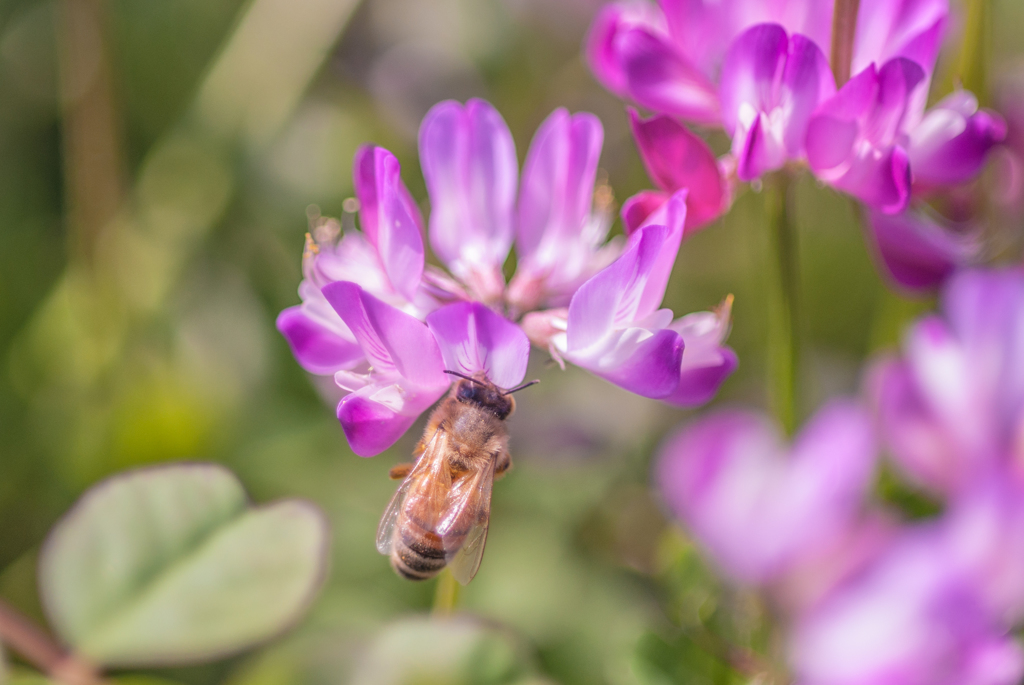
464 529
426 463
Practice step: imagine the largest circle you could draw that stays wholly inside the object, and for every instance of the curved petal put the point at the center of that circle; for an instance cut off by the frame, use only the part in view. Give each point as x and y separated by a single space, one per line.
706 361
952 142
750 73
600 47
473 338
676 158
390 218
470 167
317 348
806 82
899 28
393 342
918 253
755 508
698 385
558 179
371 427
879 178
637 210
643 362
662 79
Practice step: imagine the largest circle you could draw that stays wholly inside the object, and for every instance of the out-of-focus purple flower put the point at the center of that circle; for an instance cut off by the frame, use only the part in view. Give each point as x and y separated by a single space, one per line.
757 506
918 251
404 371
667 59
952 409
952 141
887 29
614 328
854 140
560 241
770 85
912 619
675 159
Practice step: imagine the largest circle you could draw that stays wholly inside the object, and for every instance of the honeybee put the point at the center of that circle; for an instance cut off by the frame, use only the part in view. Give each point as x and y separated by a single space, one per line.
440 513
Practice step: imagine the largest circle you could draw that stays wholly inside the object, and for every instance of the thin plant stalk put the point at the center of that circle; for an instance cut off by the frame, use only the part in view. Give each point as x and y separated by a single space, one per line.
784 301
446 594
972 68
844 27
30 641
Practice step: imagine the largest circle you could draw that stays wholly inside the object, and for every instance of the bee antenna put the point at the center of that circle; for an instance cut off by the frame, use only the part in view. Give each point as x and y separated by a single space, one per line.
468 378
524 385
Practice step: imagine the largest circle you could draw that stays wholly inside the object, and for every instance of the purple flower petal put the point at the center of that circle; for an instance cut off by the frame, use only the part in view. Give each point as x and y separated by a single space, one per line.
602 53
852 140
918 253
706 361
750 73
660 78
913 617
611 329
473 338
371 427
770 86
558 179
316 347
755 508
917 441
675 159
406 373
637 210
952 142
899 28
469 164
390 218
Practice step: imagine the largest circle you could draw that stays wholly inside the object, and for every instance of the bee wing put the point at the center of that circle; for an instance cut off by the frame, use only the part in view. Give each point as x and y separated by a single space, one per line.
464 529
431 460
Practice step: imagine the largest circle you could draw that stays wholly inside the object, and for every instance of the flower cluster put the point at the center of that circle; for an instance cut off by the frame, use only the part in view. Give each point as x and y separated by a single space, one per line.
759 71
870 599
386 325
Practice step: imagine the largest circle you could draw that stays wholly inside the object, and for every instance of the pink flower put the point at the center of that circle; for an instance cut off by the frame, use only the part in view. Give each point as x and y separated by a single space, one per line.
614 326
952 408
912 619
758 506
381 322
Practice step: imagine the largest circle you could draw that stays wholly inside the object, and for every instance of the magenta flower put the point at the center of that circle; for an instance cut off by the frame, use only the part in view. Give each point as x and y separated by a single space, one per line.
761 508
387 327
912 619
676 159
667 58
560 241
614 328
952 408
918 250
403 376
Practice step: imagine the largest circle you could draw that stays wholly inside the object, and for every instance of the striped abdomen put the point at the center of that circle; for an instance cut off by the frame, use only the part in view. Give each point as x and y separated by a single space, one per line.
418 554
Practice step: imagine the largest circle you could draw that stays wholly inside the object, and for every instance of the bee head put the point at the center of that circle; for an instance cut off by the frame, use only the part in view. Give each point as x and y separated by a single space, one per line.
485 394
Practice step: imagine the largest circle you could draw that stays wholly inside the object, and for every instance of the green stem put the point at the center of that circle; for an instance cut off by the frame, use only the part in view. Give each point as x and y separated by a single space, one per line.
972 67
784 323
844 26
446 594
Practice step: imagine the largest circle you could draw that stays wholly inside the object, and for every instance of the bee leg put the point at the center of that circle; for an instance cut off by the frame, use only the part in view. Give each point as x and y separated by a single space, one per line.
503 464
399 471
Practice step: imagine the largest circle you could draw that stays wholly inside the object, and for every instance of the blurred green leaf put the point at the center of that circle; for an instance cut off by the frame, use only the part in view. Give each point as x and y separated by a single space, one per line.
453 651
171 565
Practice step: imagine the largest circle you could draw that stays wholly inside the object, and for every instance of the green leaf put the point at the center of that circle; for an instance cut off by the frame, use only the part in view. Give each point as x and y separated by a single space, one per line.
171 565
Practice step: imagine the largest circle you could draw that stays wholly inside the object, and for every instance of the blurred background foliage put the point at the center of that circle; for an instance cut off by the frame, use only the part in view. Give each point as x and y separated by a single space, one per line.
157 163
